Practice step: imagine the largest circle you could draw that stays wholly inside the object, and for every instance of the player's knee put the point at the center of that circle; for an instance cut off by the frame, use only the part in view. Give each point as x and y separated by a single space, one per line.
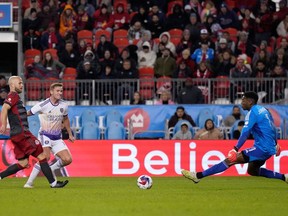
253 172
229 162
23 163
66 161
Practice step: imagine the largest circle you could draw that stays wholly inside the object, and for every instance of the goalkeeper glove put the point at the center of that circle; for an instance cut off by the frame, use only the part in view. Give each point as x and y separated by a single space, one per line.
232 155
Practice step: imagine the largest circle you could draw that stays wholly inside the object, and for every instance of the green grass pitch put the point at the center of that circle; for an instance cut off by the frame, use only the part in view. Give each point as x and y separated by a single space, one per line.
168 196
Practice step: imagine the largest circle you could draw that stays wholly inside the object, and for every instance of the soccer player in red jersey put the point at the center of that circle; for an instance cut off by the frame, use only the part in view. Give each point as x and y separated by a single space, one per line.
25 143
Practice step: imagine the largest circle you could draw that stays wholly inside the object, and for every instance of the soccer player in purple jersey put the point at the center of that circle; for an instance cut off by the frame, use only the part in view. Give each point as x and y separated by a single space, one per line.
25 143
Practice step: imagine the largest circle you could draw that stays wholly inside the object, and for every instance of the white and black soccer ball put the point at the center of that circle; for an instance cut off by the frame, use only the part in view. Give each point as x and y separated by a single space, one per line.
144 182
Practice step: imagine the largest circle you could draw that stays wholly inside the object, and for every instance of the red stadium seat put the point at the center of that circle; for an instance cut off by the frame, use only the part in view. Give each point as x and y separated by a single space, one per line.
69 71
33 88
53 53
121 43
69 82
176 33
102 32
120 33
31 53
69 94
85 35
48 81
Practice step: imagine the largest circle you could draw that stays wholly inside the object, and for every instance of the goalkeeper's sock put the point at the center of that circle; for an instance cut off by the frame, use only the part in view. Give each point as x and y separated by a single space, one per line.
270 174
217 168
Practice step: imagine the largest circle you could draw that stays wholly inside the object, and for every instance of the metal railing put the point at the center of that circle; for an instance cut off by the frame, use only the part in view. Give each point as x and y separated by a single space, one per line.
120 92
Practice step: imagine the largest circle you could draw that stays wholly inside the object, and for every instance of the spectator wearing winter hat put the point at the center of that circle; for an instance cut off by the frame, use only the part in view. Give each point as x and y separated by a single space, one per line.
121 17
194 27
227 18
203 54
212 26
165 39
47 15
85 72
92 58
67 21
146 56
244 45
185 42
83 20
89 9
176 19
221 46
51 38
155 10
103 20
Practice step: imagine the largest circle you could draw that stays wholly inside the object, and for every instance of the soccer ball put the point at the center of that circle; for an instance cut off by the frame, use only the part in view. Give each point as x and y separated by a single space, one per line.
144 182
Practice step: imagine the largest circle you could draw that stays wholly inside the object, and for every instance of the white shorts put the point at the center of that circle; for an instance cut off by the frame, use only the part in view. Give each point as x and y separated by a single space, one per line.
55 145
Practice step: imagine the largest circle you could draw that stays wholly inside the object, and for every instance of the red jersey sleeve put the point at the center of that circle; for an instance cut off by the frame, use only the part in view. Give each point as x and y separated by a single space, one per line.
12 98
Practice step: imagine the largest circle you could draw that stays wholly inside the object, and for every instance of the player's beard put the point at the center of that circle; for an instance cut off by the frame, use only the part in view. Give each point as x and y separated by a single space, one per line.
18 90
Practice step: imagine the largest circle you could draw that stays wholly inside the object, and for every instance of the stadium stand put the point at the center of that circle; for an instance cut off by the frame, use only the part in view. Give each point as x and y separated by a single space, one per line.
90 131
115 130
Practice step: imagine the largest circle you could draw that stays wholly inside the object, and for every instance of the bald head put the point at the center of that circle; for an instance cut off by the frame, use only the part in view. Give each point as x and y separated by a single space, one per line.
15 84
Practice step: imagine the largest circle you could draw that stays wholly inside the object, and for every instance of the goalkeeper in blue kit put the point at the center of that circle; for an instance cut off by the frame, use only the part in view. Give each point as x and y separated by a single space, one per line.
260 124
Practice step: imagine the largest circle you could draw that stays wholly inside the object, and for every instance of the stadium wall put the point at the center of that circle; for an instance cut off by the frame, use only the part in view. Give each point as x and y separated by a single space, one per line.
108 158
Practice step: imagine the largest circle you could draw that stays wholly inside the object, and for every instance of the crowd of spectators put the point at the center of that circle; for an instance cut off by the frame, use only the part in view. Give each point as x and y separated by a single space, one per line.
206 49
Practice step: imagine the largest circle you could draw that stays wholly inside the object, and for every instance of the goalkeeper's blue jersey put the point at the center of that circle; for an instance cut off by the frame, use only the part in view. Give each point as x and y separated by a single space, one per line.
260 124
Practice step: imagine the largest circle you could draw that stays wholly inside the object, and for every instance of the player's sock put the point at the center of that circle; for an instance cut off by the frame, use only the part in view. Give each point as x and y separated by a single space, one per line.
270 174
14 168
217 168
47 172
35 171
57 165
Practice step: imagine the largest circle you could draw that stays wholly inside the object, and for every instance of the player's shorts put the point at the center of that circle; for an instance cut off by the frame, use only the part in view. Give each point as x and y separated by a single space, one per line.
55 145
26 144
256 154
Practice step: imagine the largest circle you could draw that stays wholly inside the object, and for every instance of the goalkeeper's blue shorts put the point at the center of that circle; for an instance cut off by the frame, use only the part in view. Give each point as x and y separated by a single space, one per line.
255 154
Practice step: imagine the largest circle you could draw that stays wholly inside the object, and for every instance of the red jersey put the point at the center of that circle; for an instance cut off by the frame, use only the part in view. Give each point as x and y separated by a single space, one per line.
17 115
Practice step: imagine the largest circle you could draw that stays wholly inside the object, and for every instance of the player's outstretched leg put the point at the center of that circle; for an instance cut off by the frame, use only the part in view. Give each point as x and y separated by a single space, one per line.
14 168
190 175
195 177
